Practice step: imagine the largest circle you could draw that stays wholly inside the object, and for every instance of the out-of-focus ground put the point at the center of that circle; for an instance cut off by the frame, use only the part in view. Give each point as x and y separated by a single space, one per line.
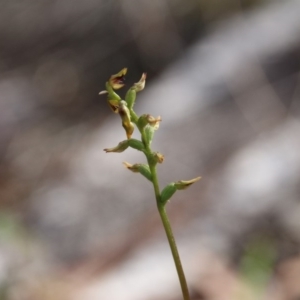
224 76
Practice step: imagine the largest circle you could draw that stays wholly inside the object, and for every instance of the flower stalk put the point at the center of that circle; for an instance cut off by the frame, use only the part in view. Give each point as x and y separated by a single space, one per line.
147 125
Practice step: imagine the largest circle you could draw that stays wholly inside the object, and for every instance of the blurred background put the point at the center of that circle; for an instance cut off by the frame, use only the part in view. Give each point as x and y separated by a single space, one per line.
224 76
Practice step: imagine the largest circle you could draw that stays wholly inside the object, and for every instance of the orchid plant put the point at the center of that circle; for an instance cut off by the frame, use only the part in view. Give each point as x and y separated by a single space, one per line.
147 125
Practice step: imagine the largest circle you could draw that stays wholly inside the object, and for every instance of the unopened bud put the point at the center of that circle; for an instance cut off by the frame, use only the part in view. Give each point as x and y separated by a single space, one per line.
139 168
183 184
171 188
133 168
158 157
149 133
129 128
126 121
122 146
130 98
139 86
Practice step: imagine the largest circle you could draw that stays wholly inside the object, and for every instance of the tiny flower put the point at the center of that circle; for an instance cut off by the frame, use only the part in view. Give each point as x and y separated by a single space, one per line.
139 86
159 157
183 184
148 119
117 81
154 122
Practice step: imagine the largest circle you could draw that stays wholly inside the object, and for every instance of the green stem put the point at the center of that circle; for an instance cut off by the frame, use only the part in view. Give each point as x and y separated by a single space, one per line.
176 257
169 233
165 219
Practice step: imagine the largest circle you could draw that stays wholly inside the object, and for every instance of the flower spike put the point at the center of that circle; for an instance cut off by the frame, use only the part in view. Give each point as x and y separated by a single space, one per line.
147 126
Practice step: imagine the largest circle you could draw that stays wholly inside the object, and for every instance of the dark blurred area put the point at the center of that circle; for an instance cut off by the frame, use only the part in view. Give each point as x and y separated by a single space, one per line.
224 76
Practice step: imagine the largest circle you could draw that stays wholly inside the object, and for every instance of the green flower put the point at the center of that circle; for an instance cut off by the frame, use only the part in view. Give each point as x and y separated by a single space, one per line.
117 81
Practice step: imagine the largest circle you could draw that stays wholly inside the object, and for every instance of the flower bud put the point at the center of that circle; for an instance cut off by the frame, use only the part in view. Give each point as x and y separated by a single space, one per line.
139 168
126 121
154 122
171 188
130 98
158 157
117 81
183 184
149 133
129 128
133 168
122 146
139 86
148 119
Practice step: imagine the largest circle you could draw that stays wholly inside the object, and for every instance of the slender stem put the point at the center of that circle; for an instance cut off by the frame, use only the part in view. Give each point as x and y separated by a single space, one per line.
155 181
169 233
172 243
165 220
